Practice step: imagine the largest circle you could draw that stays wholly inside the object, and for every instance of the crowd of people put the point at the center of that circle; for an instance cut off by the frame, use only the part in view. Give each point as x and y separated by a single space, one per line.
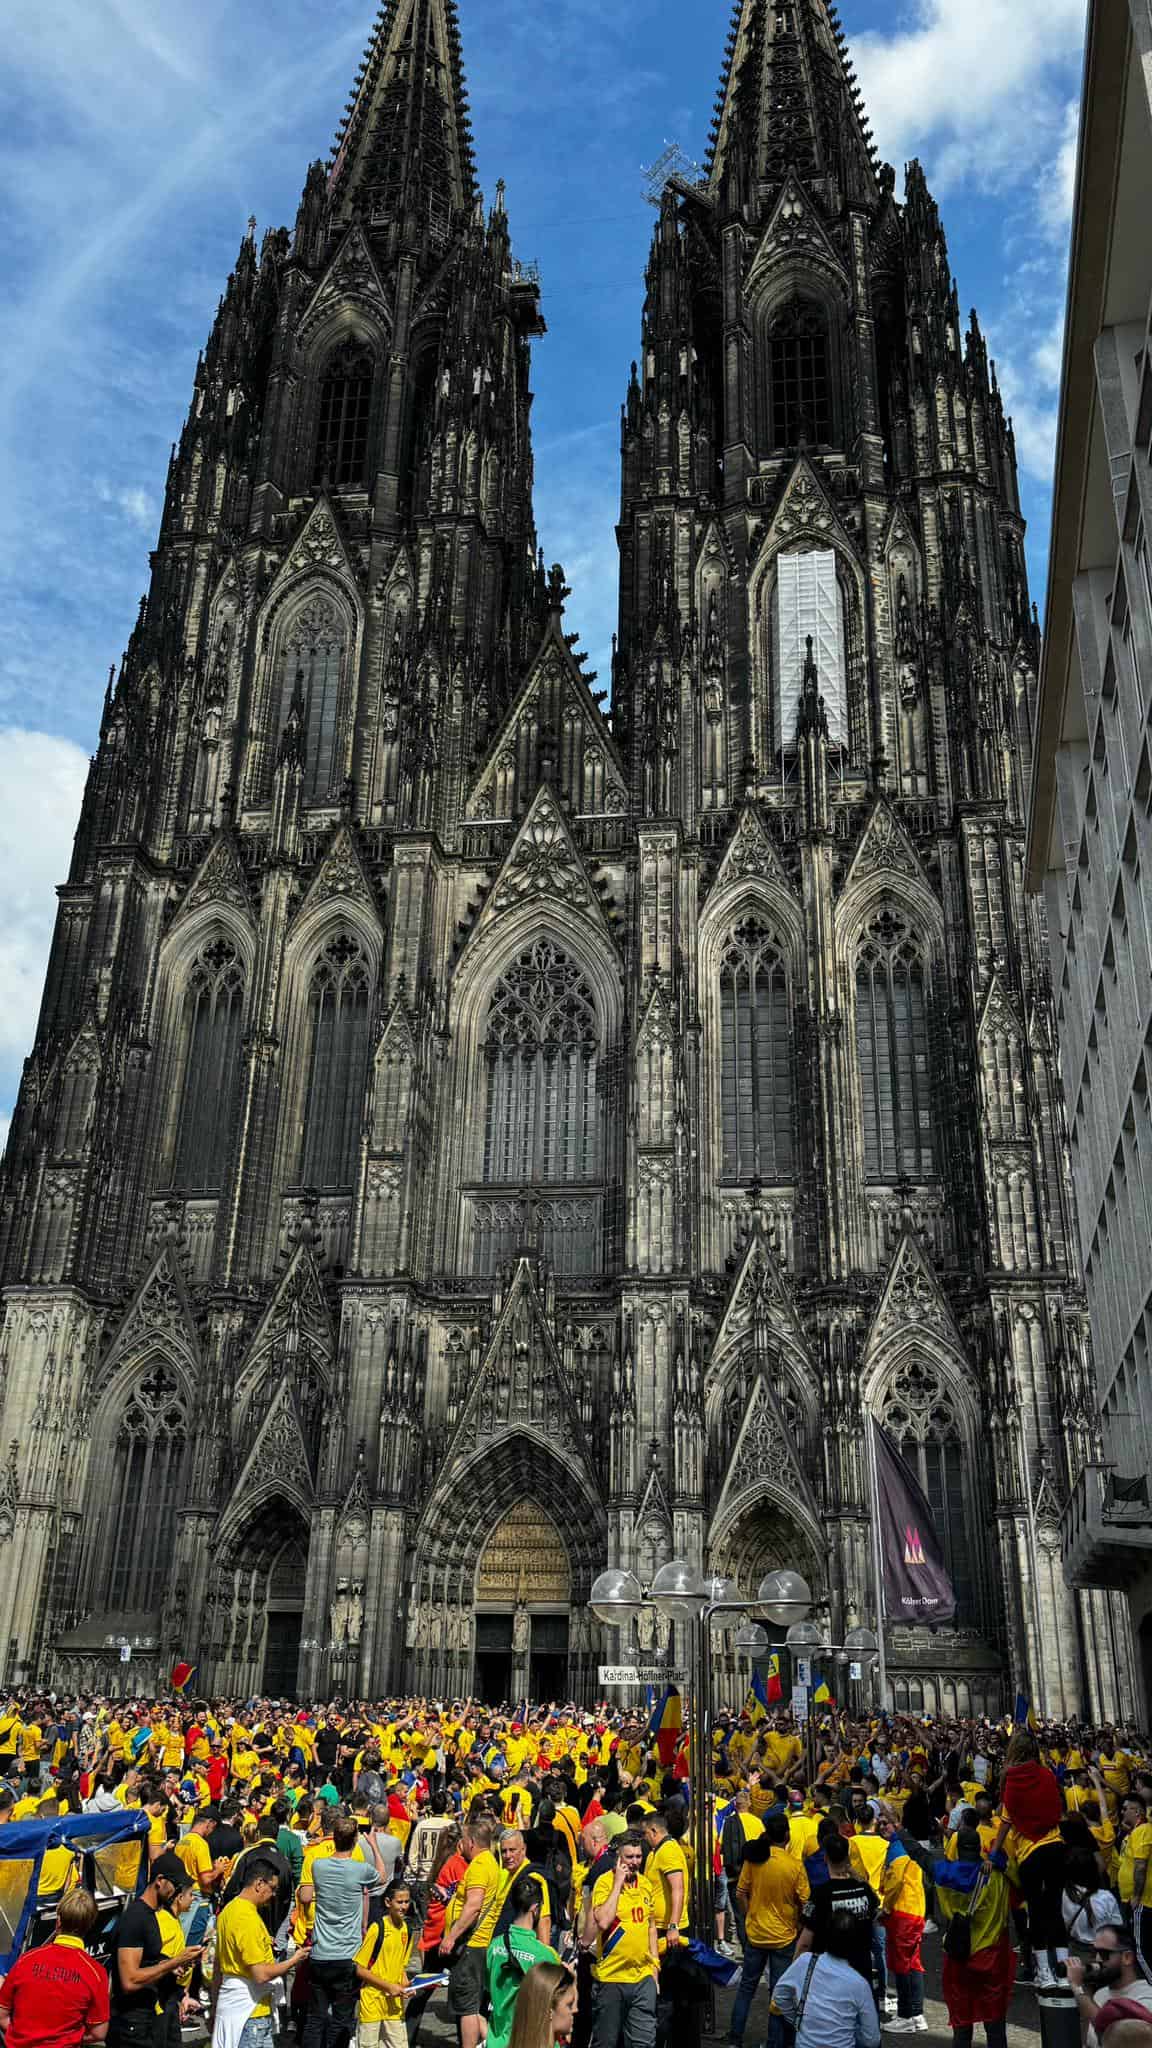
323 1874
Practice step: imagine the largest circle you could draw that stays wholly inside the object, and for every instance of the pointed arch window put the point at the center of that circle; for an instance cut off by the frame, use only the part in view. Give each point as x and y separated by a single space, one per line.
920 1415
313 662
758 1105
892 1050
543 1111
344 416
799 371
209 1098
339 1005
149 1458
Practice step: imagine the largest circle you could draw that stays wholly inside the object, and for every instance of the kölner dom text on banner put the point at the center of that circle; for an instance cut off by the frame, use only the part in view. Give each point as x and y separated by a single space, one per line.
472 1137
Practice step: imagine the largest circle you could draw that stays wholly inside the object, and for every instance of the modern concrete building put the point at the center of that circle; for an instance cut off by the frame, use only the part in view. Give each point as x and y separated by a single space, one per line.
1090 839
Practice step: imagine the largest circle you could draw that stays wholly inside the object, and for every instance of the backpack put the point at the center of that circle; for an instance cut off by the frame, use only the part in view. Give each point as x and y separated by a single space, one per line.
958 1934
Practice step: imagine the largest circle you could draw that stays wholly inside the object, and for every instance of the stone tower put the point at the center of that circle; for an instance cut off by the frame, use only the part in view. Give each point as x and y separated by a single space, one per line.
471 1138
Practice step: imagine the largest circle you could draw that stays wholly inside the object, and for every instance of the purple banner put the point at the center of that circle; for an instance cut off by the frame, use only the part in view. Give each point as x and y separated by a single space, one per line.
916 1583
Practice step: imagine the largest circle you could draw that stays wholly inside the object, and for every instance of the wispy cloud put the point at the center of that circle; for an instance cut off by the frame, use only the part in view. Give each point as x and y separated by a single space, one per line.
41 783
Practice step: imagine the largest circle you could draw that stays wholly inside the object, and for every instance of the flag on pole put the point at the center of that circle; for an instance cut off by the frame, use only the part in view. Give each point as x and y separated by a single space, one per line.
756 1705
916 1582
821 1692
667 1726
1025 1713
775 1688
182 1676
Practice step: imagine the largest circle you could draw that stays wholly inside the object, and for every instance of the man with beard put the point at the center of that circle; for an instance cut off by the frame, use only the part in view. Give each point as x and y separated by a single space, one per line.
1113 1975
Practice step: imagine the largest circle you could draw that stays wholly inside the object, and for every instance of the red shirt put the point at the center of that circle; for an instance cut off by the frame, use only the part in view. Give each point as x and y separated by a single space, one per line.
54 1994
216 1771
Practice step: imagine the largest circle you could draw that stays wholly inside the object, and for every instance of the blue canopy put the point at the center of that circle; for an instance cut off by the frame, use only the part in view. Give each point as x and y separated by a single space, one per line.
28 1841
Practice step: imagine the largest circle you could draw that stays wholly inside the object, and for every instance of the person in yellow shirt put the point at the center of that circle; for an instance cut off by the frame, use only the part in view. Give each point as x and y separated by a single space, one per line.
381 1966
624 1973
32 1745
667 1873
197 1859
469 1924
11 1728
245 1965
774 1888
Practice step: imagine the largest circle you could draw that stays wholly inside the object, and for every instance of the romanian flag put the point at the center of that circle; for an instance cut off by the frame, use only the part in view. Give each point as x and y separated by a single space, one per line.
182 1676
1024 1715
775 1689
667 1726
756 1705
821 1694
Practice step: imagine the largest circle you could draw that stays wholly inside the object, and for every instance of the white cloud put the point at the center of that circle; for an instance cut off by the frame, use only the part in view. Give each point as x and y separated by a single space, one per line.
1056 191
980 91
138 508
41 784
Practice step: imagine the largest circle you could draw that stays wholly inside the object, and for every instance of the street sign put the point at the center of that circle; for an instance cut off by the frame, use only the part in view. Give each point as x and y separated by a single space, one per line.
800 1702
804 1671
855 1671
125 1653
642 1674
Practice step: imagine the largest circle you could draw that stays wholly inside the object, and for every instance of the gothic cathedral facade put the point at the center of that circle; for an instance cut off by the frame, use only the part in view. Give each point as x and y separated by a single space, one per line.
473 1136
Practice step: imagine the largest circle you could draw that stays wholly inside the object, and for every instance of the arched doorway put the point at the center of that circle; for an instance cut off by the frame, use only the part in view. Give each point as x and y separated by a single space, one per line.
523 1596
254 1610
448 1625
761 1536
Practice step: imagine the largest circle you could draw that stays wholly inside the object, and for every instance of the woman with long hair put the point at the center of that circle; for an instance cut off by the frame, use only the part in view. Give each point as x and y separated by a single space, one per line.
1030 1832
545 2007
447 1870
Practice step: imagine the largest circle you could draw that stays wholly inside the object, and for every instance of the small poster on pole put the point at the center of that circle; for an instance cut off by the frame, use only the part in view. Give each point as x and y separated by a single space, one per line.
125 1653
804 1671
800 1702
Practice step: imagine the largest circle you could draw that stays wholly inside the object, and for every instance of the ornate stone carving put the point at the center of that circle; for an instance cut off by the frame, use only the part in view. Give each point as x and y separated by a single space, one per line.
543 862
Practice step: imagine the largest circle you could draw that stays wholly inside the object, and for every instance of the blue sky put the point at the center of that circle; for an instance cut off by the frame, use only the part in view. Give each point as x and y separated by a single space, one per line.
136 140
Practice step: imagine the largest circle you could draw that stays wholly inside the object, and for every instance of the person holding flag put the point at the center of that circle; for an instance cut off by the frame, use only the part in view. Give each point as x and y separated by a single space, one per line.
666 1727
756 1705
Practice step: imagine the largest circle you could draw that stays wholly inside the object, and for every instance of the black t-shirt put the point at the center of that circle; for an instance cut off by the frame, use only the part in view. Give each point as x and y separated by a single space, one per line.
139 1928
225 1840
918 1816
844 1895
327 1744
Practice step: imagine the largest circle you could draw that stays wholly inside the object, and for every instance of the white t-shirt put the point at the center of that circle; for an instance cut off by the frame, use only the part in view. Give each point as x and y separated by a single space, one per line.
1138 1993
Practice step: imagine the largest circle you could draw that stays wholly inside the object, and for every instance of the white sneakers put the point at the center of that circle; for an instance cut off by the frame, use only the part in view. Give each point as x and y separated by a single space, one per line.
917 2026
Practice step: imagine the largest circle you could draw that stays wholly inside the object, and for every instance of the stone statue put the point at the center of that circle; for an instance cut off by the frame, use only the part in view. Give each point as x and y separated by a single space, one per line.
521 1630
356 1612
412 1633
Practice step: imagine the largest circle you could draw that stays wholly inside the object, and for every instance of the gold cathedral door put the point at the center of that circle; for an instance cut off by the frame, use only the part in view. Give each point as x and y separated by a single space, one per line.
523 1600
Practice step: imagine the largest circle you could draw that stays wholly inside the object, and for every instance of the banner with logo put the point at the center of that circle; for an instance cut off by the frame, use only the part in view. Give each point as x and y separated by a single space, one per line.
916 1582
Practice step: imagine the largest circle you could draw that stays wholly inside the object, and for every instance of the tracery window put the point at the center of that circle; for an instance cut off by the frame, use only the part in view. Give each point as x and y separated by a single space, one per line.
339 1003
892 1049
146 1492
312 666
800 376
344 415
758 1109
213 1025
920 1416
542 1118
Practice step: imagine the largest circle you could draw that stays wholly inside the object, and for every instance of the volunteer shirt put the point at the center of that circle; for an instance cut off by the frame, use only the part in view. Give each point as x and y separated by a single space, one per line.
483 1870
775 1891
660 1867
340 1883
510 1957
385 1950
242 1940
55 1995
624 1954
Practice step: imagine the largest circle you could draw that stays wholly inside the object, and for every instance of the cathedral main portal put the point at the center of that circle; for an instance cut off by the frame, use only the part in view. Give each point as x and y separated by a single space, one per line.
523 1595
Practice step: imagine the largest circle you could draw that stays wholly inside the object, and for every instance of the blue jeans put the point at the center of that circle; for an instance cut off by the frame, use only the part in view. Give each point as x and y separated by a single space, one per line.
756 1961
258 2034
880 1957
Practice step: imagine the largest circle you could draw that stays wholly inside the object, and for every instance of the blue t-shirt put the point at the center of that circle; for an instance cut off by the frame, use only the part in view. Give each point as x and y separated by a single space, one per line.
340 1883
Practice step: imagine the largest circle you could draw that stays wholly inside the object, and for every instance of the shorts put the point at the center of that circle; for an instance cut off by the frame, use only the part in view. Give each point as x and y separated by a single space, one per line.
382 2034
467 1983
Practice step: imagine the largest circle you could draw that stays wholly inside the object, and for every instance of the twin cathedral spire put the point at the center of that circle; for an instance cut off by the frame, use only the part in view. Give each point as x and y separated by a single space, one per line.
416 1024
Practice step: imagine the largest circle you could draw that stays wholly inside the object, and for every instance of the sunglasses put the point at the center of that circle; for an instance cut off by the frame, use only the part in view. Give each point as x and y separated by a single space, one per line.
1107 1955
